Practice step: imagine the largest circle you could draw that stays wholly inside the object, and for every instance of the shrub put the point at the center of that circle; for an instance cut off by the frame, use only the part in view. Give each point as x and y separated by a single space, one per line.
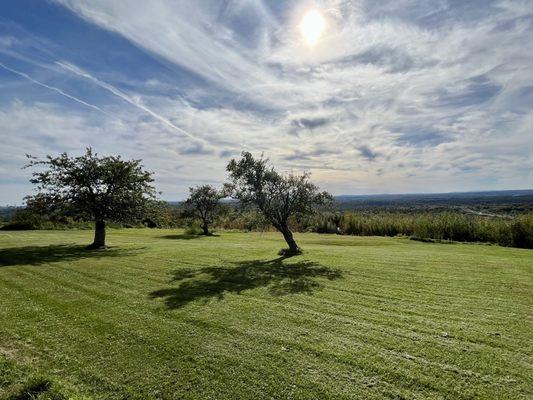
522 231
244 221
193 228
28 219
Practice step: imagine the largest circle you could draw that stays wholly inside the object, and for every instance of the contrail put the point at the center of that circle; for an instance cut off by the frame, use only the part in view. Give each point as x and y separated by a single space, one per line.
134 102
61 92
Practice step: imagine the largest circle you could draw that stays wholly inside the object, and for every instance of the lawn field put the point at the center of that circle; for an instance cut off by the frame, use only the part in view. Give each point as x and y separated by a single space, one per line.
164 315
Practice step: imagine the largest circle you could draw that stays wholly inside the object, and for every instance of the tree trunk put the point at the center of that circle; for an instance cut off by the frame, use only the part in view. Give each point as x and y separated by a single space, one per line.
205 228
99 236
287 235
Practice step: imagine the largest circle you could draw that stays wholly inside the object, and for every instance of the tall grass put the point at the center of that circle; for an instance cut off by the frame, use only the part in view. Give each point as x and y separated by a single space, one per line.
516 232
444 225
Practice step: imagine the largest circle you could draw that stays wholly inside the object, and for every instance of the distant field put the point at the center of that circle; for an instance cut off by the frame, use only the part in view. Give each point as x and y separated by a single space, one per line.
163 315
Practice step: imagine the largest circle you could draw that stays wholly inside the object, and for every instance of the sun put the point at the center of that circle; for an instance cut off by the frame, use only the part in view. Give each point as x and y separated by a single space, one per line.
312 26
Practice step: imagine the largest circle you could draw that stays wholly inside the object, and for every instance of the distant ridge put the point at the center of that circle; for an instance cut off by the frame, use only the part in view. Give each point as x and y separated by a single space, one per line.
451 198
486 193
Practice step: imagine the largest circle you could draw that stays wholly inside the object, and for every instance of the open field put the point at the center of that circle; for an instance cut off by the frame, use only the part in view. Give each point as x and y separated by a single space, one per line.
165 315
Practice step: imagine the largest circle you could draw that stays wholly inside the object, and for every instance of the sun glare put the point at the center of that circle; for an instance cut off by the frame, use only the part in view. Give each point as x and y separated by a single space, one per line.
312 26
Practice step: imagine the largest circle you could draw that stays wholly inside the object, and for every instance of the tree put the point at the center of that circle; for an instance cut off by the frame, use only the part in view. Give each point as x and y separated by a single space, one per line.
204 203
92 188
277 196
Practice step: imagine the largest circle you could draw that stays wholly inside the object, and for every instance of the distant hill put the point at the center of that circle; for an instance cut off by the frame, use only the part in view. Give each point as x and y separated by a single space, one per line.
7 212
500 196
502 201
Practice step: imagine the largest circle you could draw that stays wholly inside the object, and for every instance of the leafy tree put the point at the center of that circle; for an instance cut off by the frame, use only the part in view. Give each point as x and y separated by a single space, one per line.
92 188
254 181
204 203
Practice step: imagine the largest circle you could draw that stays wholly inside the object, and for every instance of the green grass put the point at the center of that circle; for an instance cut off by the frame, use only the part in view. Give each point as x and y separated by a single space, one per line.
166 315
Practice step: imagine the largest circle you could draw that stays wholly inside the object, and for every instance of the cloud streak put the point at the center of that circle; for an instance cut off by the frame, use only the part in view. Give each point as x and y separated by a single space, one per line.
134 102
53 88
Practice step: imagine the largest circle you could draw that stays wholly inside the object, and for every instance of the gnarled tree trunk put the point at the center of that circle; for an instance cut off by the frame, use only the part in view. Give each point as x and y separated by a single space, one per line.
99 236
205 228
287 235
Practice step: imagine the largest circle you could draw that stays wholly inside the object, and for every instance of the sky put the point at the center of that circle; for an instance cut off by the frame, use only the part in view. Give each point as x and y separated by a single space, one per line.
392 96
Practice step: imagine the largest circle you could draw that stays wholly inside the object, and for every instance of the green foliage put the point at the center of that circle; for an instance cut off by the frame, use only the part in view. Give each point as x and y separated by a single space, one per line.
204 204
320 222
234 219
279 197
193 227
29 218
522 231
160 214
7 213
91 188
455 226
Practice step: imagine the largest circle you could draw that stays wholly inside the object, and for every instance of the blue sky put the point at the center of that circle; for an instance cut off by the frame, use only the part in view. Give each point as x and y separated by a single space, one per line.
394 96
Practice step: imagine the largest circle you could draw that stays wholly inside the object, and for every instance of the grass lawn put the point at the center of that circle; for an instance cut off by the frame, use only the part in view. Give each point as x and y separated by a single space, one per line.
165 315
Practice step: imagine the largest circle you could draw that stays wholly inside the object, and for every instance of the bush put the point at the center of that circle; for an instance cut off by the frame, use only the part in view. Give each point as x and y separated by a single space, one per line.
320 223
164 215
193 228
522 232
27 219
244 221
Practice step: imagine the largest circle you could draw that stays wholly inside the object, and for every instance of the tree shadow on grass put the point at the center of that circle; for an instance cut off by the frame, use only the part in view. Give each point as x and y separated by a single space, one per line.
38 255
186 236
214 282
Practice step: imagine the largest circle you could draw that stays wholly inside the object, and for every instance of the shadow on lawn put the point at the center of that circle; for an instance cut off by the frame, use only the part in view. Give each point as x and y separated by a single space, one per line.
37 255
186 236
280 278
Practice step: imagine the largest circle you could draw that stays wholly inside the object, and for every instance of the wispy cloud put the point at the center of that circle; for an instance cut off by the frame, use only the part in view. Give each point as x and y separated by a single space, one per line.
55 89
182 38
133 101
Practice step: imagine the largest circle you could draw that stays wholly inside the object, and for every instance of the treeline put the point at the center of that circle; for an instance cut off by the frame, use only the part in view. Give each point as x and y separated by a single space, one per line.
161 215
444 226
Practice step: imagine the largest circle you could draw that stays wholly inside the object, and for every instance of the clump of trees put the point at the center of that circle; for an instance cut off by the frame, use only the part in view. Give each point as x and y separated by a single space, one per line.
254 182
204 203
92 188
